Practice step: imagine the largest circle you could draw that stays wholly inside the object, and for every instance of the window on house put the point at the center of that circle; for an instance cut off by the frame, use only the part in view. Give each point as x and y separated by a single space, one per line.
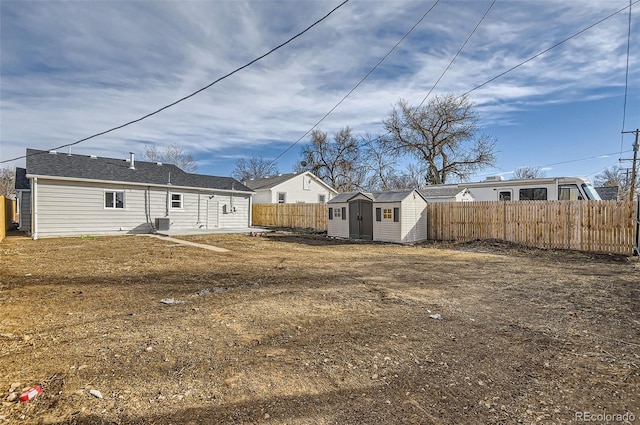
114 200
176 200
330 213
322 199
396 214
337 212
344 213
386 214
533 194
378 214
282 197
306 183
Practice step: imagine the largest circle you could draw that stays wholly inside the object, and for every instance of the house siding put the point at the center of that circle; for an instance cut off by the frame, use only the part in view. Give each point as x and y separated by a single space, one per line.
75 208
295 192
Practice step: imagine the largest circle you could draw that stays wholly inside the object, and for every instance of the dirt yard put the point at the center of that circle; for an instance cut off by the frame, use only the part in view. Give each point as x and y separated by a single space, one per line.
299 329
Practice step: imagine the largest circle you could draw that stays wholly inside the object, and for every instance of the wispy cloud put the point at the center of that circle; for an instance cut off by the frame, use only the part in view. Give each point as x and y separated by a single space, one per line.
73 69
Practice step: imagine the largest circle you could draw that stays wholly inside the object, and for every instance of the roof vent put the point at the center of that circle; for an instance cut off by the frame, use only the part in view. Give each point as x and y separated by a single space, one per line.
159 163
93 157
52 152
132 166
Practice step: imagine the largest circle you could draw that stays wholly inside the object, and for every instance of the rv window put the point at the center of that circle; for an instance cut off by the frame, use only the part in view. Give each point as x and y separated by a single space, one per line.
533 194
591 193
504 196
568 192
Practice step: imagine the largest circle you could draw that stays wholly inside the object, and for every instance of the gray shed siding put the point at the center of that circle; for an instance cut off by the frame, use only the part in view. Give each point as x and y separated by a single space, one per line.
76 208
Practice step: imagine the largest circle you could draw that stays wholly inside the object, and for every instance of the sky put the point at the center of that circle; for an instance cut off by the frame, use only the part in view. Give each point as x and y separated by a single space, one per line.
69 70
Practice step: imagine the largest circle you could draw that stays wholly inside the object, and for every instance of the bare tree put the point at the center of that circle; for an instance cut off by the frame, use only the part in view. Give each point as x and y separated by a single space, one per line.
253 168
173 154
610 177
380 164
7 182
443 136
337 162
527 173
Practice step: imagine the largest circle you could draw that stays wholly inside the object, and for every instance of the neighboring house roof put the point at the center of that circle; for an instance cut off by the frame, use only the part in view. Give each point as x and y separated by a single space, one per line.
609 193
440 191
273 181
388 196
43 163
22 182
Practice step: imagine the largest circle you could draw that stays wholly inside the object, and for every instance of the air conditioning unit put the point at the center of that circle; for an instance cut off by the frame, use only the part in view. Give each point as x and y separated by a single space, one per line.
163 223
494 179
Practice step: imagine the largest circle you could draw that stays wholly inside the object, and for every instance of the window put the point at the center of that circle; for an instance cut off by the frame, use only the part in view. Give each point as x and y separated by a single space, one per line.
282 197
322 199
337 213
396 214
344 213
569 192
176 200
387 213
378 214
330 213
306 183
504 196
114 200
533 194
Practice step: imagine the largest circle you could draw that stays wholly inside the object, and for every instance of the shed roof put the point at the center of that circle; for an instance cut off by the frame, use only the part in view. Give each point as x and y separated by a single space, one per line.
43 163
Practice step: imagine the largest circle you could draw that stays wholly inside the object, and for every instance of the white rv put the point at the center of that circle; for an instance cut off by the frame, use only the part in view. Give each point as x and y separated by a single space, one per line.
495 188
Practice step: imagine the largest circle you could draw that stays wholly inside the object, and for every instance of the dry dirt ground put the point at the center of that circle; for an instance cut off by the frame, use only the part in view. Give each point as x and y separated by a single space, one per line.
300 329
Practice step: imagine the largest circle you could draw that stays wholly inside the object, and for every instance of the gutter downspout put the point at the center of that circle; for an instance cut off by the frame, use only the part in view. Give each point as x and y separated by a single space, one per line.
34 209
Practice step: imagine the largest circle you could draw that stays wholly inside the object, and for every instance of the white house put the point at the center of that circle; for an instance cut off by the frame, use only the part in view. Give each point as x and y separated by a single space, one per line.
291 188
66 195
393 216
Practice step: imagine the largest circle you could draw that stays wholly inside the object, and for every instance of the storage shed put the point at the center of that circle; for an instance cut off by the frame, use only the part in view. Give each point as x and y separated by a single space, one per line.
392 216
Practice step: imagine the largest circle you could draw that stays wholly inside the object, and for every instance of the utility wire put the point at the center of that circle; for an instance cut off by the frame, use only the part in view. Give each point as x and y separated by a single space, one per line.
626 85
548 49
357 85
458 53
199 90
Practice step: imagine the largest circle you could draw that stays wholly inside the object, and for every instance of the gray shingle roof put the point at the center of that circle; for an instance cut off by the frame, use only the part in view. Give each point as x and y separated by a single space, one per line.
440 191
268 182
608 193
22 182
42 163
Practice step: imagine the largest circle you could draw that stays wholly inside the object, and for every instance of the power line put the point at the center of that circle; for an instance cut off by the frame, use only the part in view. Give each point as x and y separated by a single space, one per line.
458 53
548 49
356 86
199 90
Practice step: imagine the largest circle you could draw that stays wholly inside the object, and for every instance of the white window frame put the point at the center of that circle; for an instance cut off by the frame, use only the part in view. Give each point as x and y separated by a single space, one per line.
284 197
114 200
181 201
306 183
322 199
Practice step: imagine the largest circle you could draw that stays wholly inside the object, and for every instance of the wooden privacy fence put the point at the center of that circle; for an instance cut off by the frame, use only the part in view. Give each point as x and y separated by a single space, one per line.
303 216
600 226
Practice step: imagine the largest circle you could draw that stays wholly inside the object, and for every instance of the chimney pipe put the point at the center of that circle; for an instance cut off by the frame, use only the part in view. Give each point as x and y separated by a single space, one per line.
132 165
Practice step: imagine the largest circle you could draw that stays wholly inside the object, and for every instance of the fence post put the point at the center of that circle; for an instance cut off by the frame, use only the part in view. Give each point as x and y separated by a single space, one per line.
636 248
